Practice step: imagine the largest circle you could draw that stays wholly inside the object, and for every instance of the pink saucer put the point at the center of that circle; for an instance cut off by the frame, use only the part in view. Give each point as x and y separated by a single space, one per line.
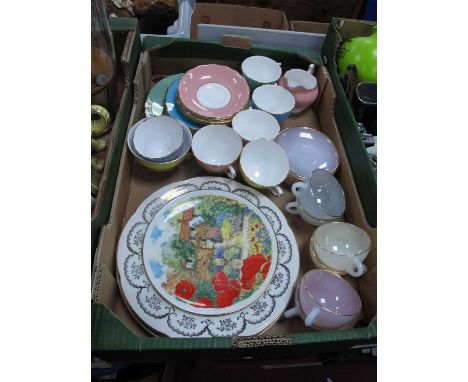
213 91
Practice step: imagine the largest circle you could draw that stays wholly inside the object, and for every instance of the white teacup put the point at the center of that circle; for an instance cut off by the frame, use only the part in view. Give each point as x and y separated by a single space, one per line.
260 70
254 124
296 208
321 195
216 148
264 164
275 100
342 247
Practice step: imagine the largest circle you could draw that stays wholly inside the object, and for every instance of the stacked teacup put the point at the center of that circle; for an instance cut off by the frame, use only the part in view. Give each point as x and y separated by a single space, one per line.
319 199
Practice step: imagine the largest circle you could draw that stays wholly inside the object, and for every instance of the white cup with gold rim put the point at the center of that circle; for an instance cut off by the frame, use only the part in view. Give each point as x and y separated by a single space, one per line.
342 247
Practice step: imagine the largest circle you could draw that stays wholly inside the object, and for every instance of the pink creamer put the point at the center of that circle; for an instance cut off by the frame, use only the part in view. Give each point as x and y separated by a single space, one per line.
303 85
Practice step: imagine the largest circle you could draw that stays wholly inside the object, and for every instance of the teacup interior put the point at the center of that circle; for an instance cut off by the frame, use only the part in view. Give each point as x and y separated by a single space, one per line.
327 193
274 99
342 239
331 292
299 77
158 137
216 145
255 124
264 162
261 69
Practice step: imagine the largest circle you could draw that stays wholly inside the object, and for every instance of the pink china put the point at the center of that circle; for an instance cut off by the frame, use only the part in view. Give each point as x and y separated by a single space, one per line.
216 148
326 301
213 91
303 86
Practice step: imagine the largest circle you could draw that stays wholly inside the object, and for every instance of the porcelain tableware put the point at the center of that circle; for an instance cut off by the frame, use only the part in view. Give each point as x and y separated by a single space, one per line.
264 164
325 301
154 104
216 148
307 149
303 86
260 70
275 100
254 124
342 246
174 111
197 259
158 137
161 165
213 92
321 195
296 208
319 264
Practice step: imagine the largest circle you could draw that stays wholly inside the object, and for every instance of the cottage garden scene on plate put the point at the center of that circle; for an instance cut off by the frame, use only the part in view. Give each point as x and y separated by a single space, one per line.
211 256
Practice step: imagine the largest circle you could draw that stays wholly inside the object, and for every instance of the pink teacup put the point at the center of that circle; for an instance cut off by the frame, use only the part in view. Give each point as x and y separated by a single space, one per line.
303 86
325 301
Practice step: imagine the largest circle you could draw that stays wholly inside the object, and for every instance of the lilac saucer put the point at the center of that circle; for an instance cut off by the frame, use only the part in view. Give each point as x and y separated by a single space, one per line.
307 149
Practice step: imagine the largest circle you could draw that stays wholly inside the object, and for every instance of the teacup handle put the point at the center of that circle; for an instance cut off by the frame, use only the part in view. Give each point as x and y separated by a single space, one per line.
292 208
357 268
276 190
231 172
309 320
298 186
293 312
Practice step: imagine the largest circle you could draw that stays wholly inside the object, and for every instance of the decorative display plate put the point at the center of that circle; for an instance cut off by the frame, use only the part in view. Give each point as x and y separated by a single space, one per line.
207 257
213 92
173 109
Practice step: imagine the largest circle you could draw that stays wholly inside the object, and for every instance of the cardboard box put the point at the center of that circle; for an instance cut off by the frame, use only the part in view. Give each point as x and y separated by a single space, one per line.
237 15
115 333
364 175
309 27
127 49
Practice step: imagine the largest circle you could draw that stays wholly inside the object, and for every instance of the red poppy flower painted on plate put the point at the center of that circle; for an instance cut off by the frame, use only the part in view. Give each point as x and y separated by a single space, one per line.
266 267
252 265
219 281
204 303
248 283
226 297
185 289
228 289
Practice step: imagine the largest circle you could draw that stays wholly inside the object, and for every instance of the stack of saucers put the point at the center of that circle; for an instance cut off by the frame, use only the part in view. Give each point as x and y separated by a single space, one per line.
212 94
159 143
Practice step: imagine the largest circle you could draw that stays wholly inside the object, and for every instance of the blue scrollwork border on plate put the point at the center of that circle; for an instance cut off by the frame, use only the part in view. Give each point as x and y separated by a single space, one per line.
192 325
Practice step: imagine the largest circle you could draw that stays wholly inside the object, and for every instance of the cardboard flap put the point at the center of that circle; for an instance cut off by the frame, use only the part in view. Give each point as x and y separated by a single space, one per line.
141 82
237 15
126 56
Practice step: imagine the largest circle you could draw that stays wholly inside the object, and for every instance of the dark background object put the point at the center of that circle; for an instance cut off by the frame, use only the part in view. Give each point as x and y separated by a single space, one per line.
157 19
365 106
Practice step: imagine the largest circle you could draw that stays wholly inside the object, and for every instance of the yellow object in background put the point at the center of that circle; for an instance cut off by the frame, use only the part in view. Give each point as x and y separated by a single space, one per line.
100 120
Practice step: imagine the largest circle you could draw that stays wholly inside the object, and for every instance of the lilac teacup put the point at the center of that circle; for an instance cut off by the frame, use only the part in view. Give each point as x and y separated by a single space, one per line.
325 301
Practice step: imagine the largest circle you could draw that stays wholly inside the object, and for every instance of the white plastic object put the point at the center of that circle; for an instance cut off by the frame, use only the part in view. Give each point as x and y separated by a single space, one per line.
181 27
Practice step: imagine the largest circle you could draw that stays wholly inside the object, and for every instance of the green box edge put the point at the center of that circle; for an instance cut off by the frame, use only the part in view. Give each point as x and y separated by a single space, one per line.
117 24
361 167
